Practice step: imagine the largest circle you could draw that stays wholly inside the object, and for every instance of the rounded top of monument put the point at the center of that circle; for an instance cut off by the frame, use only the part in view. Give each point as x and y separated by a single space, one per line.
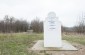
52 14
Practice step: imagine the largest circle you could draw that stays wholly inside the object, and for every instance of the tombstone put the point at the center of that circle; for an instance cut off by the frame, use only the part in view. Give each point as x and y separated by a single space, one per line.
52 37
52 31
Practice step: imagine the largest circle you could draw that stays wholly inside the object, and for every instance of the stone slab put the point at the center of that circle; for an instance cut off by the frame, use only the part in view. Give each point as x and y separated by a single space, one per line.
39 45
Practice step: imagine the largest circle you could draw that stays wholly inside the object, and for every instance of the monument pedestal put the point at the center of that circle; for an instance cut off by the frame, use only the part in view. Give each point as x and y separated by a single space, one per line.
66 46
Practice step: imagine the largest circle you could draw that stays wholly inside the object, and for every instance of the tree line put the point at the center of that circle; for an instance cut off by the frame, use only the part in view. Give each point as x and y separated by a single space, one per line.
11 24
78 28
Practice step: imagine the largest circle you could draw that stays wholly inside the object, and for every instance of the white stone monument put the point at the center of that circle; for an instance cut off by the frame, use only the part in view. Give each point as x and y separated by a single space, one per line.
52 36
52 31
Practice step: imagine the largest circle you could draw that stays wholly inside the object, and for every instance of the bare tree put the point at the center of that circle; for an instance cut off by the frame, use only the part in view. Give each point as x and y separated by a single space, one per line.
80 27
41 26
9 24
37 25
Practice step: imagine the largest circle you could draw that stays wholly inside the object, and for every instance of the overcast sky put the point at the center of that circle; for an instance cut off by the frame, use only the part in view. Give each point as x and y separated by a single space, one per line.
66 10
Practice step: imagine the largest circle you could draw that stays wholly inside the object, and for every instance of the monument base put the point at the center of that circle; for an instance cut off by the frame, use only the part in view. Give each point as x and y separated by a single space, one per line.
66 46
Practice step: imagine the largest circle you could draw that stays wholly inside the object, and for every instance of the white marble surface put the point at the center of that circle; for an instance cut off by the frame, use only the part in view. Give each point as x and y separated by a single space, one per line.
52 31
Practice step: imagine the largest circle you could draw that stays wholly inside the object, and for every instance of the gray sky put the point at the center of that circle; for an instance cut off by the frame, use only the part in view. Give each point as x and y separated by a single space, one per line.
67 10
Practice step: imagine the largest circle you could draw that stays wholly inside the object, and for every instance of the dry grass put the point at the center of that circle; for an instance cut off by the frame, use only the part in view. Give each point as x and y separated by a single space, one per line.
17 43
